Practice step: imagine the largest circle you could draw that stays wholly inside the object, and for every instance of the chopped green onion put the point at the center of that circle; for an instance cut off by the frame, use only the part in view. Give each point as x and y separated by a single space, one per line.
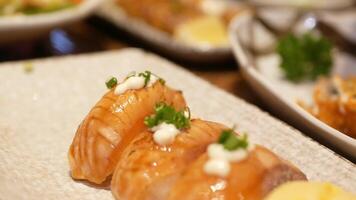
231 141
146 75
162 81
111 82
167 114
131 74
225 134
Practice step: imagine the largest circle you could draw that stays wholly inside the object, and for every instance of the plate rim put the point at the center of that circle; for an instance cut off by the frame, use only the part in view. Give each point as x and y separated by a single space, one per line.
12 23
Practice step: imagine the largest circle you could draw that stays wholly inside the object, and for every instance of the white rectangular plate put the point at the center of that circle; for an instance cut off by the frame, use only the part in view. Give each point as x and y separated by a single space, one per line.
40 112
159 39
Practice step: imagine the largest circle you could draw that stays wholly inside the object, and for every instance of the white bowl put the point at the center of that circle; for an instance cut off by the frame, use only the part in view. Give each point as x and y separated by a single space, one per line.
20 27
281 95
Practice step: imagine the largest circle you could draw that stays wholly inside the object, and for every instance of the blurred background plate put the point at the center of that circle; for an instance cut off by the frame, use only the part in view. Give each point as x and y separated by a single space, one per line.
253 47
161 40
22 27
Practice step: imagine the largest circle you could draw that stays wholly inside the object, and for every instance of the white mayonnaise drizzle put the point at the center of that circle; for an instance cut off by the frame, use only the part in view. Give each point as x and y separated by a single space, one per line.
164 134
218 167
134 82
220 158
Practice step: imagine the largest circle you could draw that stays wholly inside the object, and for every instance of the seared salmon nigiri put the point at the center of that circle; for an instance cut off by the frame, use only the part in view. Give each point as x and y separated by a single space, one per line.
114 121
233 169
156 159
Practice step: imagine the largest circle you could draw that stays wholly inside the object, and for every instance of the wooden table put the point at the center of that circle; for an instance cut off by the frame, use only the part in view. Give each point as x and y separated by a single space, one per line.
94 34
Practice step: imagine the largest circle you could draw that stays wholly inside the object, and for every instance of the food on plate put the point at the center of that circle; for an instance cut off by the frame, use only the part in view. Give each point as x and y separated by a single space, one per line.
234 168
195 22
304 57
115 121
195 31
149 168
162 14
29 7
141 133
335 103
302 190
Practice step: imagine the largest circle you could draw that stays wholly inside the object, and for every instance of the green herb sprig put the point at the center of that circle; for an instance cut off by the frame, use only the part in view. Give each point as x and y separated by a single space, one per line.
167 114
231 141
304 57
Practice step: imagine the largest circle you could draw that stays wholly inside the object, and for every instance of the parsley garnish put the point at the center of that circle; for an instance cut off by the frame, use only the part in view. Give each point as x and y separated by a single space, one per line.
304 57
167 114
231 141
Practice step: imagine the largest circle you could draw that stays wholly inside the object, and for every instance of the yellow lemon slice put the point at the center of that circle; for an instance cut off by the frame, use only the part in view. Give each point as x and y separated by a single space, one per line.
204 31
302 190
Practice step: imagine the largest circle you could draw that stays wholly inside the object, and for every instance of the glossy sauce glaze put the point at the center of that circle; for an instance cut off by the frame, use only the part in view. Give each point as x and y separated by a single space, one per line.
147 170
111 125
249 179
335 104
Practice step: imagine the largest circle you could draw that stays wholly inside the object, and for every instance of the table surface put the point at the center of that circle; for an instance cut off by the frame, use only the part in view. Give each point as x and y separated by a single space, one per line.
95 34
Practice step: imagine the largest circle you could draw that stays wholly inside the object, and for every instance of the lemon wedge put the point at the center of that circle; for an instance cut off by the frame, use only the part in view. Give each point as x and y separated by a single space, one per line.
204 31
302 190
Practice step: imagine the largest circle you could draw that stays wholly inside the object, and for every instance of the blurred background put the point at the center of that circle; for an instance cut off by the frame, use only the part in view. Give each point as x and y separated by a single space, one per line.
41 28
96 28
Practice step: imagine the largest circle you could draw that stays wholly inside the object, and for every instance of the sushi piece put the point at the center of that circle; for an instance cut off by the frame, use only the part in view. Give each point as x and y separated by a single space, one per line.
234 169
148 169
114 121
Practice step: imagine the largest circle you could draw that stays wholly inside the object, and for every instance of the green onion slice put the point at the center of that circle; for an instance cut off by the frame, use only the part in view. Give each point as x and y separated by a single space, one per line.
231 141
111 82
168 114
